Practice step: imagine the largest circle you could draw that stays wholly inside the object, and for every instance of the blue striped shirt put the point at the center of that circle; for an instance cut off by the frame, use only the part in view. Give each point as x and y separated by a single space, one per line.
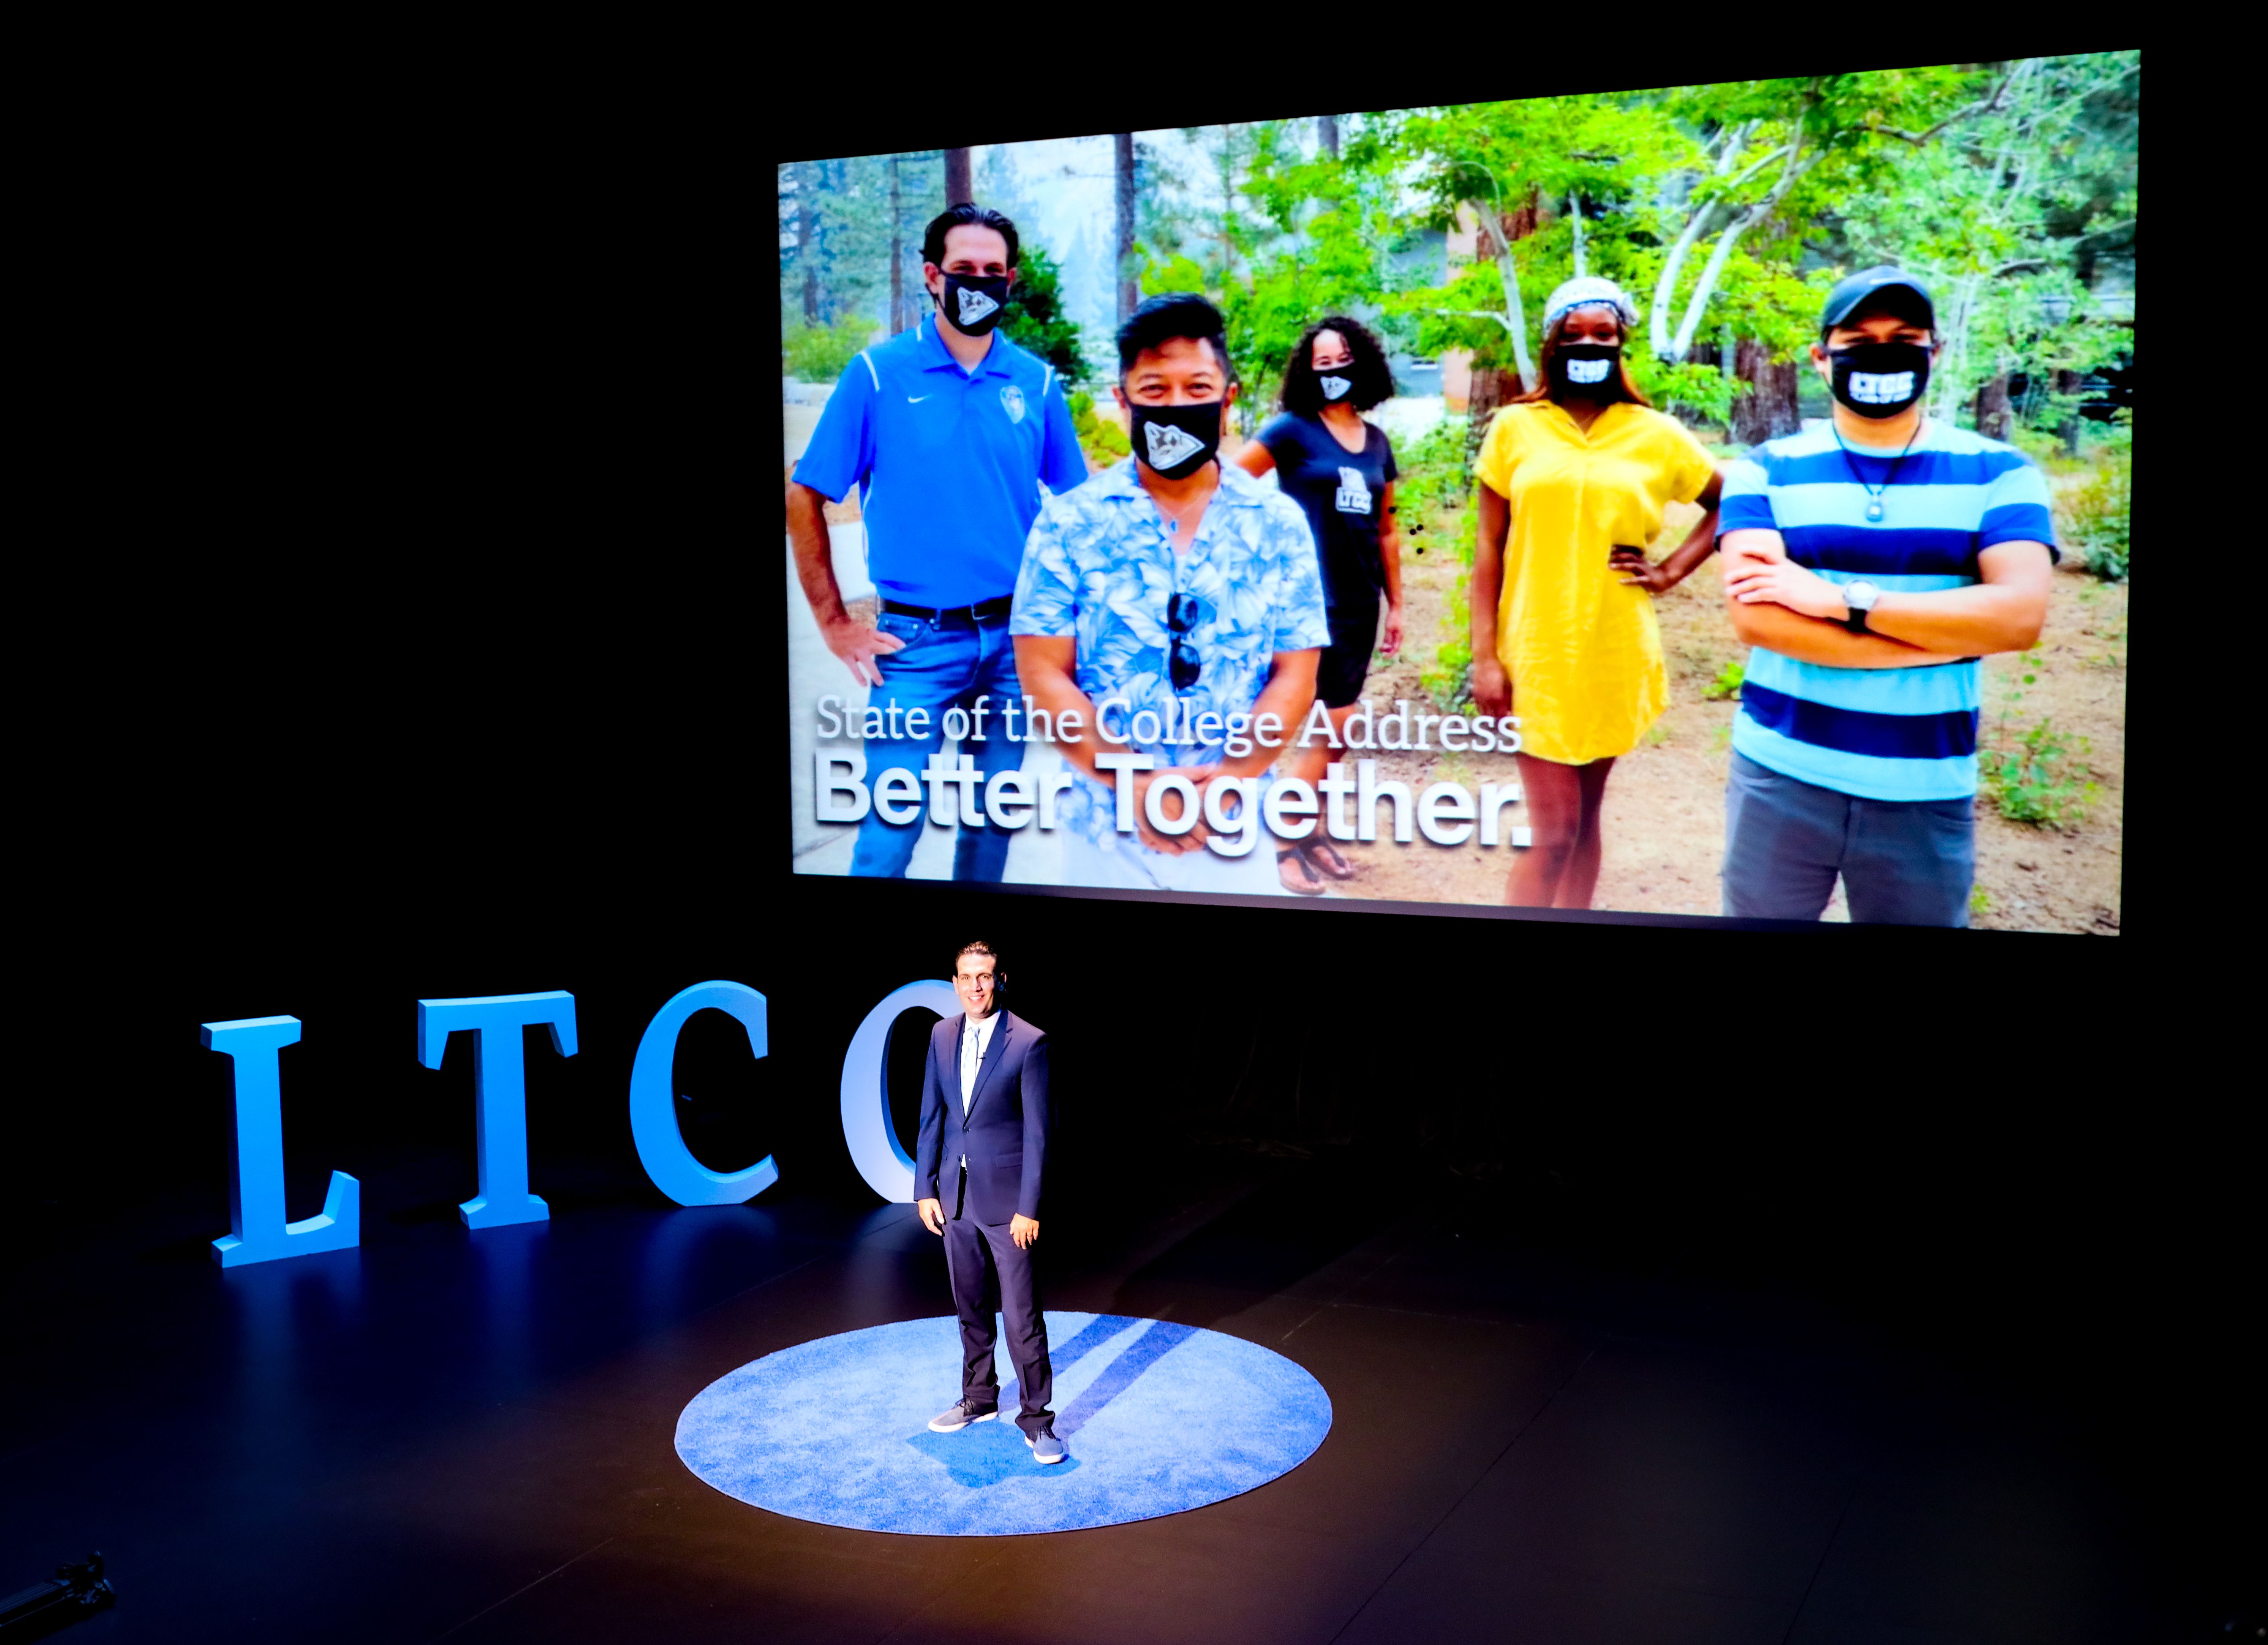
1878 734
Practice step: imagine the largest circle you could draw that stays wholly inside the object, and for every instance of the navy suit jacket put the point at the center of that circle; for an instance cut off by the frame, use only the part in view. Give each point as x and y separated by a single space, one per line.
1004 1133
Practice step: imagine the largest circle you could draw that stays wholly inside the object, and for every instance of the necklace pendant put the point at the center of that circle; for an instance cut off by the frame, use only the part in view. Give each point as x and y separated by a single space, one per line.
1874 508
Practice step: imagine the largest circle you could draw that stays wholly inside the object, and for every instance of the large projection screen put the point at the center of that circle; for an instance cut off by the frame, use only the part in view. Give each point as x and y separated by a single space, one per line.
1726 213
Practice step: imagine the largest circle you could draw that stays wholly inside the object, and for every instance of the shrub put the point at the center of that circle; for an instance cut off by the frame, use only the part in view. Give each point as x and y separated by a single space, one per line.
2038 781
818 354
1035 318
1103 441
2098 516
1449 681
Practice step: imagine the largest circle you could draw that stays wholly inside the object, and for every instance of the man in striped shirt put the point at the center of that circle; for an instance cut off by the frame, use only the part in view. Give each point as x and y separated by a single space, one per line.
1871 564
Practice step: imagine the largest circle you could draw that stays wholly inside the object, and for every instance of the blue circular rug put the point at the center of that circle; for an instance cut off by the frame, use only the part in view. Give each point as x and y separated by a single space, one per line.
1158 1419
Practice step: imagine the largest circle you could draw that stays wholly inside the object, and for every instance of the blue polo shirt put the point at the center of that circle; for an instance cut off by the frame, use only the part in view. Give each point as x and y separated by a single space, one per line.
951 463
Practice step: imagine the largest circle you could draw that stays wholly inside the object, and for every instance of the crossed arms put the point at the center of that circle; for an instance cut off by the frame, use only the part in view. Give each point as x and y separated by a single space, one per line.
1778 605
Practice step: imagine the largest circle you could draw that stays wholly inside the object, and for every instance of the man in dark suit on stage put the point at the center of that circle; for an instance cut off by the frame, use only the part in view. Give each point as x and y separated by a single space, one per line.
984 1124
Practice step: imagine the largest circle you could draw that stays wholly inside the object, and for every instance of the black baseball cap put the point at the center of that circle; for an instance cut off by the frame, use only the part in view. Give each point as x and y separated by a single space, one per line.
1907 298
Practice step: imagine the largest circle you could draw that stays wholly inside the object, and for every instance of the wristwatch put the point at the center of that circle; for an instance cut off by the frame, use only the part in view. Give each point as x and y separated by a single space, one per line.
1860 597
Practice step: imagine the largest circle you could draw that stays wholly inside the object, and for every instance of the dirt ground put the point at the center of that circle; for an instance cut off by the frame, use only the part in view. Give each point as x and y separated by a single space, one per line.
1665 816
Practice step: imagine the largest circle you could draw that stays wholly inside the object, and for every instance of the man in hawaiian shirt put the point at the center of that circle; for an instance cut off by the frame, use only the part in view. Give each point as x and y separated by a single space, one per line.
1168 621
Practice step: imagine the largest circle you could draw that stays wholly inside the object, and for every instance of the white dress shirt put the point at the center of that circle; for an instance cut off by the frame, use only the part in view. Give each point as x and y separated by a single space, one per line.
974 1037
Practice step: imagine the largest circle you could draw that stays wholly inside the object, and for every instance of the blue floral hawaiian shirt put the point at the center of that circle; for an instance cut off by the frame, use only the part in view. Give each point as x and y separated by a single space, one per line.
1100 566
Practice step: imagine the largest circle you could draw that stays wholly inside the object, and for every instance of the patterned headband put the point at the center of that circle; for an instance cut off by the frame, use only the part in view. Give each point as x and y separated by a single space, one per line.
1581 293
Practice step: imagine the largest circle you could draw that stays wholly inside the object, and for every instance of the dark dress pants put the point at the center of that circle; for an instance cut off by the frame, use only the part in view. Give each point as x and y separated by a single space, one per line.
989 1275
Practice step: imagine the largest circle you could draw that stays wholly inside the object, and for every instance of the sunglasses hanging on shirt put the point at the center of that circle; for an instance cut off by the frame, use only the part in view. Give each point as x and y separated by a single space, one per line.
1182 667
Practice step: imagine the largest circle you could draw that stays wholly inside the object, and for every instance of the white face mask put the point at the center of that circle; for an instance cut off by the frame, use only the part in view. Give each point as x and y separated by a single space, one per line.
1887 388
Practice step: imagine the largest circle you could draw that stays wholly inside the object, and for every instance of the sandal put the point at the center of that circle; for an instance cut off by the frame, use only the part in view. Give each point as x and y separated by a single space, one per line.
1327 859
1301 882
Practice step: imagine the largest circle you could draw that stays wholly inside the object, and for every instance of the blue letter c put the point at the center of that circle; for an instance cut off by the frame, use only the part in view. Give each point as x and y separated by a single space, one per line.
653 1112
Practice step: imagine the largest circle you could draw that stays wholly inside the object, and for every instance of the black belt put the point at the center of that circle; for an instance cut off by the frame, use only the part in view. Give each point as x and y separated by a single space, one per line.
956 616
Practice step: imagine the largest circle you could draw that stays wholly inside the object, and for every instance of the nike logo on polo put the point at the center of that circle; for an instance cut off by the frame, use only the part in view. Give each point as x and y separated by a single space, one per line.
916 399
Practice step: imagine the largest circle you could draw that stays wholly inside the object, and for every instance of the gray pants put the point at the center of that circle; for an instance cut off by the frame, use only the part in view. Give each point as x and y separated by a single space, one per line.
1903 862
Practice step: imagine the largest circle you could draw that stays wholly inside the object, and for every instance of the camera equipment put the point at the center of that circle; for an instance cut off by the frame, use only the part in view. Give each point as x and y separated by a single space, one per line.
74 1591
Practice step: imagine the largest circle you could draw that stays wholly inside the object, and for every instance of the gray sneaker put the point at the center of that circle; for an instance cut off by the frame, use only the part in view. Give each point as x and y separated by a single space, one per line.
960 1417
1045 1446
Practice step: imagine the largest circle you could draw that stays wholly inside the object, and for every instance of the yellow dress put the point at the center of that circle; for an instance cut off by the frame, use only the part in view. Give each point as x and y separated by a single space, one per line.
1581 646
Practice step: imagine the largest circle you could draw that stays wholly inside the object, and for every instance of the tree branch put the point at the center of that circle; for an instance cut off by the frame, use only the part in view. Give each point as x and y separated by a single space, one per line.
1757 165
1796 165
1473 313
1983 106
1735 139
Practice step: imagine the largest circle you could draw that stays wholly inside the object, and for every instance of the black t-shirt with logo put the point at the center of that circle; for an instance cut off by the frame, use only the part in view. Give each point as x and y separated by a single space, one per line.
1344 495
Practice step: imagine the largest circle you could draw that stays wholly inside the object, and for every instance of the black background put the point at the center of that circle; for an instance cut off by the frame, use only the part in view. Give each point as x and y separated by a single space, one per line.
439 654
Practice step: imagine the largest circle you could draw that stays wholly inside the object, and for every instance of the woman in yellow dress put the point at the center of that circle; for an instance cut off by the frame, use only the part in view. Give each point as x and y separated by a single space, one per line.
1574 476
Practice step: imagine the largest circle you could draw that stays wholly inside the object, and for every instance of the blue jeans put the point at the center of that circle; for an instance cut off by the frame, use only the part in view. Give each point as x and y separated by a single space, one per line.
1903 862
937 668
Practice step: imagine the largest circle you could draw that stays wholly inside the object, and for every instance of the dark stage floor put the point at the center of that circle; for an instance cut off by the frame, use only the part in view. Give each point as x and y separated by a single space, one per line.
468 1438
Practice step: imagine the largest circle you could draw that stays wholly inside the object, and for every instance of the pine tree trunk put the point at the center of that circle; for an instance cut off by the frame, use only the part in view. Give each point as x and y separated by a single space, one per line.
2067 383
1493 387
1130 284
897 255
806 237
1768 410
1993 418
956 178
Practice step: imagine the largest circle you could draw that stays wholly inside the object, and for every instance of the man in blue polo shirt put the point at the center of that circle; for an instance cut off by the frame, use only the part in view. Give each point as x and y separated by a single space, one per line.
951 431
1871 564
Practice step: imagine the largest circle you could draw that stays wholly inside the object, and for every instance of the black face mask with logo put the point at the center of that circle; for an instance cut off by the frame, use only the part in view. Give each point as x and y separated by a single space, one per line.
1879 379
1176 441
1587 367
975 306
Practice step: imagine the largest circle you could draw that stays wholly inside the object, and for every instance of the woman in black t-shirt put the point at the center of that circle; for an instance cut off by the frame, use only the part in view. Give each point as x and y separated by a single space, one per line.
1339 469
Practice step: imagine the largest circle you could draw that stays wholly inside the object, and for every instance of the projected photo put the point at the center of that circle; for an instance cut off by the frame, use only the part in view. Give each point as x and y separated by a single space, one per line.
1703 501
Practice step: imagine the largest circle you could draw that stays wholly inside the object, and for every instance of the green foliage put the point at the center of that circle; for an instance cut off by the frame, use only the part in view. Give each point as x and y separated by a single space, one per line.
1035 318
2098 515
1725 685
2048 450
1317 242
2039 780
2035 777
1103 441
1697 200
1449 681
818 354
1433 475
1170 273
1702 391
1980 900
2005 214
